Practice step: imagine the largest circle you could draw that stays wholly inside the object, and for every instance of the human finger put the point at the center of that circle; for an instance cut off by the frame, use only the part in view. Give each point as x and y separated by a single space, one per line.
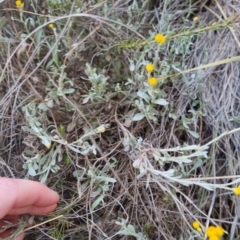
6 222
18 193
20 237
6 233
9 232
32 210
9 219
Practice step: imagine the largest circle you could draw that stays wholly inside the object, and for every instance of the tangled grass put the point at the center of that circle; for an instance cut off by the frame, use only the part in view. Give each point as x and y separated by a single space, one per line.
131 158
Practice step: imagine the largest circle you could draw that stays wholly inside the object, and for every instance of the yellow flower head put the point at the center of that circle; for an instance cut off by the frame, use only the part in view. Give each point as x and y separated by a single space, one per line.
51 25
195 18
196 225
149 67
152 81
211 231
237 190
101 129
19 4
160 38
214 233
219 231
213 238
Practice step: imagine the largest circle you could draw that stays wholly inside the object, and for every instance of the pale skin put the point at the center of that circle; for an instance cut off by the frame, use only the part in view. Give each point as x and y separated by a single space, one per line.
18 197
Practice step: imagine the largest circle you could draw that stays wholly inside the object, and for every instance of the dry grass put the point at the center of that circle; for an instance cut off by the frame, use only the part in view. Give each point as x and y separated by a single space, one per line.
208 98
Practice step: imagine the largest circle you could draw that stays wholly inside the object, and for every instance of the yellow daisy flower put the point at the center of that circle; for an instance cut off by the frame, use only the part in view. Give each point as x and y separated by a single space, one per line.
101 129
219 231
211 231
160 38
19 4
237 190
51 25
213 238
196 225
195 18
149 67
152 81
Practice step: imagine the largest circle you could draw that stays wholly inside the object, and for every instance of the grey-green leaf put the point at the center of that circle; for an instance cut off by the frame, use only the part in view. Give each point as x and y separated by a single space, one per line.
3 20
68 91
161 101
138 117
97 202
31 171
43 107
194 134
143 95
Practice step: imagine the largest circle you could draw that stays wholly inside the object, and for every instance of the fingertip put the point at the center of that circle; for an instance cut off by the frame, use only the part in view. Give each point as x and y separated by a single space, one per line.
48 197
20 194
55 196
20 237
